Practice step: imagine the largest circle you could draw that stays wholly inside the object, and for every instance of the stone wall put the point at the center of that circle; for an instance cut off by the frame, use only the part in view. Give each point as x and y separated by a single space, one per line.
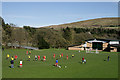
75 48
89 45
105 45
114 49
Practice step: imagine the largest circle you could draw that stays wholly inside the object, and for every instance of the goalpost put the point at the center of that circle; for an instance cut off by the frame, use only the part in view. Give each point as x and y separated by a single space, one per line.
96 51
89 50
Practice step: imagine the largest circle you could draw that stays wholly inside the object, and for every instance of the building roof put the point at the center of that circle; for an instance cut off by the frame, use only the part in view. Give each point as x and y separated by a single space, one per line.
95 40
115 45
107 40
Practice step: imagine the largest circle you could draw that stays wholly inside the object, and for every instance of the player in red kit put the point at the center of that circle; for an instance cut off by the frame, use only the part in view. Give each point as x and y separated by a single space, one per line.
27 52
54 56
67 57
44 58
15 57
38 57
62 54
83 60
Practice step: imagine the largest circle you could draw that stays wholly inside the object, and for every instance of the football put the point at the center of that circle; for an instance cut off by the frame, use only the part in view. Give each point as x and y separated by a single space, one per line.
59 66
65 66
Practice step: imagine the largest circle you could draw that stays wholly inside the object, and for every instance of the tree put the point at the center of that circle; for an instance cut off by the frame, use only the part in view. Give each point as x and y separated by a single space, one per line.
42 44
30 30
67 34
7 30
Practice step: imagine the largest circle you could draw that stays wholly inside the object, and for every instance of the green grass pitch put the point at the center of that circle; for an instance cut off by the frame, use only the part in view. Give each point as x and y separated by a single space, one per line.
95 67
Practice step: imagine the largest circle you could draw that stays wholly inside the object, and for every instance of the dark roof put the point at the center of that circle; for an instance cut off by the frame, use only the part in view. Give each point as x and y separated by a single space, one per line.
115 45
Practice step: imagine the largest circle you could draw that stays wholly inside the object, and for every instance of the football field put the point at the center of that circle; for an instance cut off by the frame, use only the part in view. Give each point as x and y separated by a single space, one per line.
96 66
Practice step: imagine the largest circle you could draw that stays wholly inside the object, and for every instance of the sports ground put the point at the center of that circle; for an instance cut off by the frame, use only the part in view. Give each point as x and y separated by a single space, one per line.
96 66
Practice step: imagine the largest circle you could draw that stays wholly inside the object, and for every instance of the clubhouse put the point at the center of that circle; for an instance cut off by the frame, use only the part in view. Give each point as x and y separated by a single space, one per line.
99 44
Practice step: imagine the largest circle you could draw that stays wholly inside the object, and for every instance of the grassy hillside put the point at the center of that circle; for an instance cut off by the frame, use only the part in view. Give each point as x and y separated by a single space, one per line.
92 23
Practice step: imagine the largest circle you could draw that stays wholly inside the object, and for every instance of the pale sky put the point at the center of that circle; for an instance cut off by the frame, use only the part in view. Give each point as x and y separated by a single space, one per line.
39 14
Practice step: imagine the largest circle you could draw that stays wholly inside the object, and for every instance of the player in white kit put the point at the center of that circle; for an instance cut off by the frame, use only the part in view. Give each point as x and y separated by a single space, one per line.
20 63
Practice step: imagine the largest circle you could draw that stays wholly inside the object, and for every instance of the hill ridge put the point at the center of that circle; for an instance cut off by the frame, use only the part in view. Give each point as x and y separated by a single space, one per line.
97 22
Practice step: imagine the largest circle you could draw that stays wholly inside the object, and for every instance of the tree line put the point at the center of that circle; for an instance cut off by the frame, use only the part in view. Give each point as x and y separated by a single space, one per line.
45 38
